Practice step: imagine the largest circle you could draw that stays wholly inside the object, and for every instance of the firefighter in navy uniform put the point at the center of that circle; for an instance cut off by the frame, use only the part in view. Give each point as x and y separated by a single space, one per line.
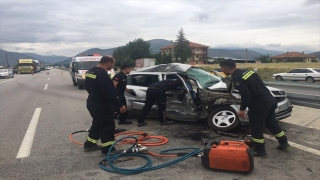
156 93
120 82
101 103
262 105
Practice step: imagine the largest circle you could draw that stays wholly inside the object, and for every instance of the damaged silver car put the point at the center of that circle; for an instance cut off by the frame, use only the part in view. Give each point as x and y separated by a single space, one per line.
206 96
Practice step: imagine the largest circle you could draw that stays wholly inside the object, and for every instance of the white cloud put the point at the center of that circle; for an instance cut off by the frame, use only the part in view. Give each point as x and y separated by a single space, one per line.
68 27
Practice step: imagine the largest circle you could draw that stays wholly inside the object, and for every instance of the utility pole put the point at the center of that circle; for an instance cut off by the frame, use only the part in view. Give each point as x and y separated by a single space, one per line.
246 55
7 60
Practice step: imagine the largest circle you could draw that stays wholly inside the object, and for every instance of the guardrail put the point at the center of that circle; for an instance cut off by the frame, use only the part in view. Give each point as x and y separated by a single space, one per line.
292 84
307 100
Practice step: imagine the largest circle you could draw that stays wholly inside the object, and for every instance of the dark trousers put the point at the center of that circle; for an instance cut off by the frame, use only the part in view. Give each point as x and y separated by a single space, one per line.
103 125
158 96
122 116
262 112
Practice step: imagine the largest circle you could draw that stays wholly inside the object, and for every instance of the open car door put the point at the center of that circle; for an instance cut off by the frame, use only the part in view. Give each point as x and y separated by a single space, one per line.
183 110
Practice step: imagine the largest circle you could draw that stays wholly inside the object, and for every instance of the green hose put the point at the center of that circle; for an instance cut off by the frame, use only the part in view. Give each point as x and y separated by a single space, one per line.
148 166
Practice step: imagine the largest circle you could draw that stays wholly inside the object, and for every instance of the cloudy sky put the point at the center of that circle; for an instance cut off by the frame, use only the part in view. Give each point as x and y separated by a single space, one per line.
68 27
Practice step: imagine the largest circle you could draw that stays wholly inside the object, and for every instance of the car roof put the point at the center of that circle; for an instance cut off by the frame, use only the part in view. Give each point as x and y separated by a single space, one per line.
170 67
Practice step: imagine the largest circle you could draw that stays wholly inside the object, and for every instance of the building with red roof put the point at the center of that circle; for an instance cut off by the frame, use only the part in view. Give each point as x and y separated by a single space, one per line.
293 57
199 53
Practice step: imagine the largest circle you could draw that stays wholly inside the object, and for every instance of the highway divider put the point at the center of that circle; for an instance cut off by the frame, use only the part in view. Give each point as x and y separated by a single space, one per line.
307 100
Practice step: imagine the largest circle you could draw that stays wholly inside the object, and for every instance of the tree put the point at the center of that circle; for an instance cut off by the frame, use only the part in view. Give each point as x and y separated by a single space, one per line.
264 58
182 51
131 51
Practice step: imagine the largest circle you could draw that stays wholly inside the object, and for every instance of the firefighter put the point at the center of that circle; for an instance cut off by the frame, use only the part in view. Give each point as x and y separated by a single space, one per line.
101 103
156 93
120 82
262 105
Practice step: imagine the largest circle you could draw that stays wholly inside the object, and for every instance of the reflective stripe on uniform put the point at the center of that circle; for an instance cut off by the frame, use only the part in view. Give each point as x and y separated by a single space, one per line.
280 134
92 140
91 76
258 140
107 144
247 75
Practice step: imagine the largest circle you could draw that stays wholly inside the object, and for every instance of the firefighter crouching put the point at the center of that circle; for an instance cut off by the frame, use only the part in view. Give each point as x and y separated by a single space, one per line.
102 102
262 105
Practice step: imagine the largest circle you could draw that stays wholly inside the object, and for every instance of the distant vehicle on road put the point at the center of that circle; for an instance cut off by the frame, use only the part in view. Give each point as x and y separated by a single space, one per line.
309 75
26 66
144 62
47 68
6 73
42 66
38 67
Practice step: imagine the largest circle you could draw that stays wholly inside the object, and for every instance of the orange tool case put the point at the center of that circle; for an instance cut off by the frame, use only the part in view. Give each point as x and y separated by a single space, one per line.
230 156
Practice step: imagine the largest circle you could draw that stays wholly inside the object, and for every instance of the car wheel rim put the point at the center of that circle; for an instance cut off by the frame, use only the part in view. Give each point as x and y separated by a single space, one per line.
224 119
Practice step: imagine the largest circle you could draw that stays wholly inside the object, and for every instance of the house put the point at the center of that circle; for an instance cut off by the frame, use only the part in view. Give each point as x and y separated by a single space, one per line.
199 53
293 57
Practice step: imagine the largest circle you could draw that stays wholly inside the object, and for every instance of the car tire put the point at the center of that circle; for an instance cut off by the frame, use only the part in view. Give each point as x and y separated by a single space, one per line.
223 119
74 82
279 78
309 80
80 86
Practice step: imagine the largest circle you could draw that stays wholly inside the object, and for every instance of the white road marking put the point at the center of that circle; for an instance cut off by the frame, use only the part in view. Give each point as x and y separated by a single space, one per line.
27 142
45 87
48 78
6 81
298 146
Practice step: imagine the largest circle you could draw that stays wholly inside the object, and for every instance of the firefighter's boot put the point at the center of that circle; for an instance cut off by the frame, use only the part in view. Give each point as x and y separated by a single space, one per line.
283 143
259 150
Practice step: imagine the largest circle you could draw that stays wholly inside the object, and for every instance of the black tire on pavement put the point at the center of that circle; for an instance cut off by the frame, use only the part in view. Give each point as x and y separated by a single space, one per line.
310 80
279 78
79 85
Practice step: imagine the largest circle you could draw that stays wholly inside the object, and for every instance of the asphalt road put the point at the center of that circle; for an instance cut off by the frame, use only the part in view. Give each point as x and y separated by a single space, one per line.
56 108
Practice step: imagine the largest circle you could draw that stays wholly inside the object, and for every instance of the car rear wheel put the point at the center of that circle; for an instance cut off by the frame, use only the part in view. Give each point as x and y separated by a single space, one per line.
223 119
79 85
74 82
279 78
309 80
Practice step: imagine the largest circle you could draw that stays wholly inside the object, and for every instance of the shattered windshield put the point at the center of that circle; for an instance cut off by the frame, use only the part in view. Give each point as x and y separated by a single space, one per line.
204 78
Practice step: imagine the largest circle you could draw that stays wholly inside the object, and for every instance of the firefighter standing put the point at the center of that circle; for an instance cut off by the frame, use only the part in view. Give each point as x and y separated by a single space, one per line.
101 103
120 82
156 93
262 105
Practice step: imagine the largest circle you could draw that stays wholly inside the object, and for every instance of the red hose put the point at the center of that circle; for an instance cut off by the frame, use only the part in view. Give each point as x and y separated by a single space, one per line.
141 140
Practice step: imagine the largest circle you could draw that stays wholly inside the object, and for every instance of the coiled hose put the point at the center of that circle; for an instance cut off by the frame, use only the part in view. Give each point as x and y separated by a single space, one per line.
129 138
148 166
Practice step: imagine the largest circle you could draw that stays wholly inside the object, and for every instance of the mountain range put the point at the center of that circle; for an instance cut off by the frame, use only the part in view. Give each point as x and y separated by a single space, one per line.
155 46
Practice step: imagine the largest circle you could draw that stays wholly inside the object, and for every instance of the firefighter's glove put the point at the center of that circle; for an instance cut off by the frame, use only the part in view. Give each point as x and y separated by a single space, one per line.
132 92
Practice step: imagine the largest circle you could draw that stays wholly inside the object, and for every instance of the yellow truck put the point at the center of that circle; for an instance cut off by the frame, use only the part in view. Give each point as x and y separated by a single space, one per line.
26 66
